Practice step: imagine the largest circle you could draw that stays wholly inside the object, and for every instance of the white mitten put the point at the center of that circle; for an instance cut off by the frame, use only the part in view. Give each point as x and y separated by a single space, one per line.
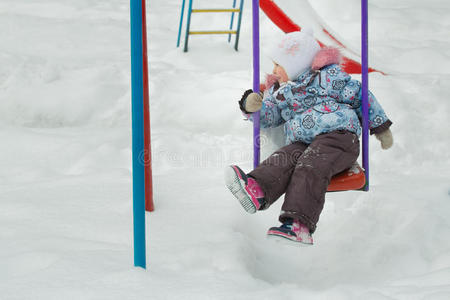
253 102
385 139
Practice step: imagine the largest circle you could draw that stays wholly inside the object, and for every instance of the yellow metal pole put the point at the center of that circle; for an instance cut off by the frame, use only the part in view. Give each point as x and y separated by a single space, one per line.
213 32
215 10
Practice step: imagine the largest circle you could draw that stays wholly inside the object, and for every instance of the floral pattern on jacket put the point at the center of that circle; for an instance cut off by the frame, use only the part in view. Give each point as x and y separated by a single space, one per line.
319 101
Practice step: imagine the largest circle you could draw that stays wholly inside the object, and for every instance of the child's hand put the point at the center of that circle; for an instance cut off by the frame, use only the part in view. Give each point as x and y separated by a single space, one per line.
242 101
385 139
250 102
253 102
271 79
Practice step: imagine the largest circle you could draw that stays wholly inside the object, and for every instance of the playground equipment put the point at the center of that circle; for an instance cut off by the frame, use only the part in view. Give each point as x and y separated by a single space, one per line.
214 10
142 186
351 179
140 115
355 178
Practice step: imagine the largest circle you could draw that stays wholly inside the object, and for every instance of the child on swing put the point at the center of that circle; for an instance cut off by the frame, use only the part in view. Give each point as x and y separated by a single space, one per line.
320 107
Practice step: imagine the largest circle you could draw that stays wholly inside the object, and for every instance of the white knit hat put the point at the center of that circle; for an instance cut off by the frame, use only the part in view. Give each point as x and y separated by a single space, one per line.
295 52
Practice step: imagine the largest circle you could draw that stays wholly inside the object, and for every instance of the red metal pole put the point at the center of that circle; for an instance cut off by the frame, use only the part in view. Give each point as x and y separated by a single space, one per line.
147 139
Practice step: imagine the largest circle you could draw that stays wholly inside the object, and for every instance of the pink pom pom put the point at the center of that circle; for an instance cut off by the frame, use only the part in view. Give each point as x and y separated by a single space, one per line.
326 56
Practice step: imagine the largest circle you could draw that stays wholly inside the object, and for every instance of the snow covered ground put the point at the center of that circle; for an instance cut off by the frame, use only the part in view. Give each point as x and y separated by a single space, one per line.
65 175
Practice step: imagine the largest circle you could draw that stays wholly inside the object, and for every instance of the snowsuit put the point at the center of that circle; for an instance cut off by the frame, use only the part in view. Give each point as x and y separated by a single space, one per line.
320 112
319 101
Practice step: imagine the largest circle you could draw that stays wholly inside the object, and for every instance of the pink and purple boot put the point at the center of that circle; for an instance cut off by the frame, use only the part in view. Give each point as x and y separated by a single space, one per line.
245 189
291 230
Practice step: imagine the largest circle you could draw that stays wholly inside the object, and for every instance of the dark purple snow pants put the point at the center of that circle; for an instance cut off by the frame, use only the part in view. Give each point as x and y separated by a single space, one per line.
303 172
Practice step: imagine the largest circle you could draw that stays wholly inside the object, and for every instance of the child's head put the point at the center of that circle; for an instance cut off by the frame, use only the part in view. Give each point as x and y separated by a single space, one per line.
294 54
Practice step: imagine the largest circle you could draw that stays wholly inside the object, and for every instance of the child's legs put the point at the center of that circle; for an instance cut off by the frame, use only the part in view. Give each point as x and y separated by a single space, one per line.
327 155
274 173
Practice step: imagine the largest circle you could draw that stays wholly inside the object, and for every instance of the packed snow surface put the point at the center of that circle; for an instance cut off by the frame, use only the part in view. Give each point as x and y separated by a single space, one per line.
65 176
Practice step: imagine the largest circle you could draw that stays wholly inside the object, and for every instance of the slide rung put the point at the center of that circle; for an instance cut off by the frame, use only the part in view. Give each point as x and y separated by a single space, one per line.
214 32
216 10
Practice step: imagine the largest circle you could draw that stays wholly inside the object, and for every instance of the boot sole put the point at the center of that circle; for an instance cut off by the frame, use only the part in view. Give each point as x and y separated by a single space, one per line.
237 187
286 240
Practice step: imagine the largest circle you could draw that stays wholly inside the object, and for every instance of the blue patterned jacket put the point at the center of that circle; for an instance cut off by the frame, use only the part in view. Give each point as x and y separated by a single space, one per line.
319 101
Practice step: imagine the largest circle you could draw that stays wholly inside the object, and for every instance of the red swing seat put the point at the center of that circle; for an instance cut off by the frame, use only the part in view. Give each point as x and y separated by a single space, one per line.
350 179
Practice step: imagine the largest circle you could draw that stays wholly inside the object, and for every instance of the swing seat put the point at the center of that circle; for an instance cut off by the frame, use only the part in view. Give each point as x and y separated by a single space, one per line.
350 179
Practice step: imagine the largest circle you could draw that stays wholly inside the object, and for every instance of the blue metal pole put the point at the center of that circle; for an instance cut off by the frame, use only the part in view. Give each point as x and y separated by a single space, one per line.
232 20
181 23
256 79
238 30
365 88
188 26
137 118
